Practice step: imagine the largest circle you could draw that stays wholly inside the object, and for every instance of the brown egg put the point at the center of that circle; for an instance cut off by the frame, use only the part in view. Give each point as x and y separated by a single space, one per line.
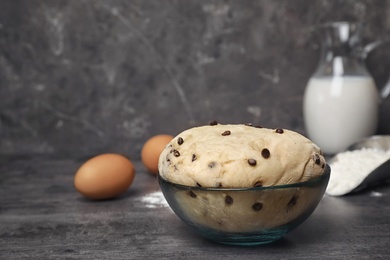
152 149
104 176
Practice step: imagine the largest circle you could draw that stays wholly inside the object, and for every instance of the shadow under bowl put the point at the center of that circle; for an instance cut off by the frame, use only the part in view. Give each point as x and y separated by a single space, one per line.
245 216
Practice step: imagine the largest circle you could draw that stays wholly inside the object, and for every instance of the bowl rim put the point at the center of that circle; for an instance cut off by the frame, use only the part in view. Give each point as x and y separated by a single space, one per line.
311 182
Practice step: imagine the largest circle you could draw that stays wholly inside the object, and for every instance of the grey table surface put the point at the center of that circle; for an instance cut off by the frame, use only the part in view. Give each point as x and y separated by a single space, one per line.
43 217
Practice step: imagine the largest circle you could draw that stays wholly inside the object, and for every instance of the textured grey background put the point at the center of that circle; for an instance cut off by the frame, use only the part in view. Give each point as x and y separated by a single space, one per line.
83 77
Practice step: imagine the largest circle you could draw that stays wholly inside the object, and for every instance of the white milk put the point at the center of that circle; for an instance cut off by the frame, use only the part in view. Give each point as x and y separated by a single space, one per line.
339 111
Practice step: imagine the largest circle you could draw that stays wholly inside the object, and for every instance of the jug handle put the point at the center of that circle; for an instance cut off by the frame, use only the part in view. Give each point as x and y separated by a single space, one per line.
367 49
385 91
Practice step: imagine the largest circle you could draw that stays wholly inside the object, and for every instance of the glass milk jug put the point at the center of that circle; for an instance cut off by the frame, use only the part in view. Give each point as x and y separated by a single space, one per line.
340 104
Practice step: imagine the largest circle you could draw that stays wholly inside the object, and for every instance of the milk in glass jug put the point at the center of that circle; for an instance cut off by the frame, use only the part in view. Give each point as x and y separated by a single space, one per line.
340 104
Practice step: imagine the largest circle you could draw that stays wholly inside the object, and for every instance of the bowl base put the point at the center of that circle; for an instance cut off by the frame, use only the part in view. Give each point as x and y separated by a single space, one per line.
246 239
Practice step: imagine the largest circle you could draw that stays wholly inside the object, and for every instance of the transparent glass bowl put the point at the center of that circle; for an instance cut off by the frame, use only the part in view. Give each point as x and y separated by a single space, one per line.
245 216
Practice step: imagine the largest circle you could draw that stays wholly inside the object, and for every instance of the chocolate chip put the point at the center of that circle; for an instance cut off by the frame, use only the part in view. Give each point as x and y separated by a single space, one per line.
279 130
176 153
193 158
252 162
212 165
265 153
292 202
228 200
257 206
214 123
192 194
227 132
258 126
180 141
258 184
219 185
317 159
197 184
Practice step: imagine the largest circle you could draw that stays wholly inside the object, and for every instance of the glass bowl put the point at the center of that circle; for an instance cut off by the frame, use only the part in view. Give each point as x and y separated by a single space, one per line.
245 216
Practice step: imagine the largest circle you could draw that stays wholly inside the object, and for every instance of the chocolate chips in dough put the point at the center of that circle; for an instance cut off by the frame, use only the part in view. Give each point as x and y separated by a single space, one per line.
240 156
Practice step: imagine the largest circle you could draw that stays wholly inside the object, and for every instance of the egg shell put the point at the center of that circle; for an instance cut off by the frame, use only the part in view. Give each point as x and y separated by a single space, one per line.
104 176
152 149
